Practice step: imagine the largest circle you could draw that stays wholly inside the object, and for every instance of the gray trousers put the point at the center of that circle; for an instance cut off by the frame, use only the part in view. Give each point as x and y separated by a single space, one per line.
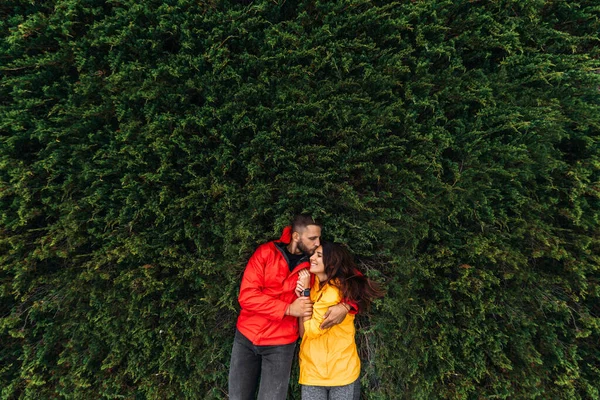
263 368
346 392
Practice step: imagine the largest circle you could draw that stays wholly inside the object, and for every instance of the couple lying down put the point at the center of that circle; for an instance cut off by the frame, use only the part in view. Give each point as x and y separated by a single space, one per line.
299 286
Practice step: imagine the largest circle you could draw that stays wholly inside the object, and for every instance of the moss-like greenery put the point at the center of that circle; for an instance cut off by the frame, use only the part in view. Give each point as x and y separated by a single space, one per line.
147 147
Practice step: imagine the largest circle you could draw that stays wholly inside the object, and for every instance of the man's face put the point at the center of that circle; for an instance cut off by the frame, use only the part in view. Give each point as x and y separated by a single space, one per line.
309 239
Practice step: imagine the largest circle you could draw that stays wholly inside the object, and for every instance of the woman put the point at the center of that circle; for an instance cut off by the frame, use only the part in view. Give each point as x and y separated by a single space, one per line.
329 363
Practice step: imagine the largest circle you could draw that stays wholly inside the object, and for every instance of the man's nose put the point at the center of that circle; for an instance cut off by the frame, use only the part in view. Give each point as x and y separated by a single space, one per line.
318 242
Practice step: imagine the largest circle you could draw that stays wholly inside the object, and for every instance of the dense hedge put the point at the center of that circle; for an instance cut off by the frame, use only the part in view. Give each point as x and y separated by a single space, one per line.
147 147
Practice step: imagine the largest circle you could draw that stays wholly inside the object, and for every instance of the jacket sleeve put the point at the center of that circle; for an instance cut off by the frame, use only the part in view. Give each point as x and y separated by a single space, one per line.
353 306
354 309
312 326
251 296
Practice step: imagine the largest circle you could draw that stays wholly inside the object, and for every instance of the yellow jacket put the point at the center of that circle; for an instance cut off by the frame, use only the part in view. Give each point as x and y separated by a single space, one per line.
328 357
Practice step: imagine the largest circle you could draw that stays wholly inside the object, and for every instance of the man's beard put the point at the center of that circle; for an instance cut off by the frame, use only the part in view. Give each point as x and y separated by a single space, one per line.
305 249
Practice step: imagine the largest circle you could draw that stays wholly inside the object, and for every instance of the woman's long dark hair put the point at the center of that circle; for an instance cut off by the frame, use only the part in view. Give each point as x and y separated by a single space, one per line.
342 272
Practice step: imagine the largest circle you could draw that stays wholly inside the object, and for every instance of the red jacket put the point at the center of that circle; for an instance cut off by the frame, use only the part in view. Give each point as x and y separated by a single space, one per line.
266 291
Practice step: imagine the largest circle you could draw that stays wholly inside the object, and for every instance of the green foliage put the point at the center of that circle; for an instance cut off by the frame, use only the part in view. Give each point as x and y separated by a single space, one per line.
147 148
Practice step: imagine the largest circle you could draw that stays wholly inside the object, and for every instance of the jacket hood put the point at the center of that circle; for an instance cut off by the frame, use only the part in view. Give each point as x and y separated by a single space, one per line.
286 235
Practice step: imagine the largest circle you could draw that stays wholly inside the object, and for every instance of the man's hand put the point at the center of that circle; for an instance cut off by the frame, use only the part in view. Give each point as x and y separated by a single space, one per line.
334 315
301 307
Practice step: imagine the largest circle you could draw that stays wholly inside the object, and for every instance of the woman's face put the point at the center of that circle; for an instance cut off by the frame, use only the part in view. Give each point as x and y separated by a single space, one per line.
316 262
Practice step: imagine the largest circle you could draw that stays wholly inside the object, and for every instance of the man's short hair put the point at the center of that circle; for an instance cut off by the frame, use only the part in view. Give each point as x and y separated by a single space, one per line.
302 221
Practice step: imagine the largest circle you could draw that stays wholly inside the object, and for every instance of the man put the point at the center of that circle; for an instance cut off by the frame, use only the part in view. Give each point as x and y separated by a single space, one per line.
267 327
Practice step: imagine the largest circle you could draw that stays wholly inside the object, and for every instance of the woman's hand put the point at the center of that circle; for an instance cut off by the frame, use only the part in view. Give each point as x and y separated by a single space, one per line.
303 282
